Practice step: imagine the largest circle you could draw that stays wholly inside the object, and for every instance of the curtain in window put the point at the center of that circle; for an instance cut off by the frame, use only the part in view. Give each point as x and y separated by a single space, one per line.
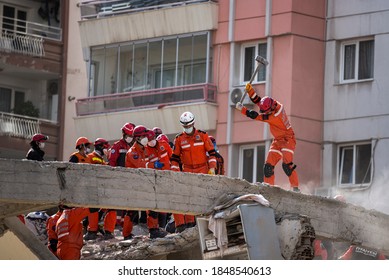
349 62
366 60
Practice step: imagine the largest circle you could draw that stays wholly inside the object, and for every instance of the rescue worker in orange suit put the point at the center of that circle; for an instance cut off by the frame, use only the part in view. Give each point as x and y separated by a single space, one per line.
158 149
284 142
97 157
37 144
50 228
137 158
117 157
219 159
83 147
195 151
69 232
362 253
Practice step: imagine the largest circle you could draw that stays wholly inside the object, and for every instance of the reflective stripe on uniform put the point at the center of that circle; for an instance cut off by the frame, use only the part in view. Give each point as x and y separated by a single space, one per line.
164 155
175 167
212 160
185 146
198 144
63 234
275 151
287 150
279 111
123 151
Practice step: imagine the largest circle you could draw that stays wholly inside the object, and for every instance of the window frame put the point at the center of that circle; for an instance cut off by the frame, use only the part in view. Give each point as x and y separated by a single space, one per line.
243 47
343 45
340 164
14 91
255 161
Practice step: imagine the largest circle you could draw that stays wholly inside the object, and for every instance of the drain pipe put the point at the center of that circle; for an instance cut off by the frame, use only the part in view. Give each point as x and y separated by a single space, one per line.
269 56
230 113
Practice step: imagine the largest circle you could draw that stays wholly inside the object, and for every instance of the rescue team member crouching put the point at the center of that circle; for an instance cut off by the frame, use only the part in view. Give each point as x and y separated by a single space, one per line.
137 158
117 157
190 148
97 157
284 142
69 232
37 144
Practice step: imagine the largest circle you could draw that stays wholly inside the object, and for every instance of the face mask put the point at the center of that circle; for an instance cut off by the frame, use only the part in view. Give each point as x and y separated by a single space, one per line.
87 150
144 141
128 139
152 143
105 152
41 145
188 130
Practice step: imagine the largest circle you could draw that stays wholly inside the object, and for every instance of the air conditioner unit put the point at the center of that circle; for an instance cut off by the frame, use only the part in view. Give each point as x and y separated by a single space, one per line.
236 95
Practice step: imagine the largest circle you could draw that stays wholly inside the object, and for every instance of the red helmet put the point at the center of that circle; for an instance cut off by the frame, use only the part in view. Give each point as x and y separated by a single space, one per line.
266 104
39 137
150 135
128 129
102 142
82 141
162 137
212 138
157 131
140 130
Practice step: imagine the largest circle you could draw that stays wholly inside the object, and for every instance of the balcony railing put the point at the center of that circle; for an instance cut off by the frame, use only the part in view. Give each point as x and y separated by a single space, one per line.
18 126
146 99
95 9
26 37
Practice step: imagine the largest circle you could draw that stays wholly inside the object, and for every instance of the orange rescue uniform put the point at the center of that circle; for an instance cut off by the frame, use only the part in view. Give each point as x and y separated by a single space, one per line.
191 151
69 232
51 234
283 145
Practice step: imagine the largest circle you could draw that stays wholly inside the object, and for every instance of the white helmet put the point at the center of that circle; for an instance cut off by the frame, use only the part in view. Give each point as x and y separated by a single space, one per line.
187 118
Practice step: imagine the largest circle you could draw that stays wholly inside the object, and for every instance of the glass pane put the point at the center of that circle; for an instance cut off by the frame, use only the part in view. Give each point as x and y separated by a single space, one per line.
249 57
21 24
248 164
349 62
111 68
19 98
262 49
199 59
260 162
362 168
5 100
185 52
126 71
366 60
8 18
97 71
140 67
346 165
169 63
155 56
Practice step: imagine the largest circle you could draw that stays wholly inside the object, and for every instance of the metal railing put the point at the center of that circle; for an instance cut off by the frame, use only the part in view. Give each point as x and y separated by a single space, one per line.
24 44
18 126
136 100
95 9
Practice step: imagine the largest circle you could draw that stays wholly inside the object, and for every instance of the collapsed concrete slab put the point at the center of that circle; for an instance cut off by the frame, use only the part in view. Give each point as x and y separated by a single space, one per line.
40 185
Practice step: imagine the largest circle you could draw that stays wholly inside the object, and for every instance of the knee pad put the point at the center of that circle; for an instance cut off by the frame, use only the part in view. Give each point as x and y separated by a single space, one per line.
288 168
268 170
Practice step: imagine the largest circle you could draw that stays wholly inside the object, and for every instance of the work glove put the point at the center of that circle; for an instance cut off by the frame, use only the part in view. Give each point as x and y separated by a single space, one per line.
211 171
249 87
158 164
239 106
250 91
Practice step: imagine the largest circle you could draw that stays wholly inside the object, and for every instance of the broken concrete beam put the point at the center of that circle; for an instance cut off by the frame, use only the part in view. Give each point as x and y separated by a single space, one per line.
48 183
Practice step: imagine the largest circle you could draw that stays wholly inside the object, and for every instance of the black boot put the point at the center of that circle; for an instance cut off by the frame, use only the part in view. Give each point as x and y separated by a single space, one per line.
180 228
90 235
157 233
108 235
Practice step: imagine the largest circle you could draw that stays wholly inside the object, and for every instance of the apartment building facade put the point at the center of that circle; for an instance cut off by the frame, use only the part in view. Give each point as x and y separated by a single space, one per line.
31 75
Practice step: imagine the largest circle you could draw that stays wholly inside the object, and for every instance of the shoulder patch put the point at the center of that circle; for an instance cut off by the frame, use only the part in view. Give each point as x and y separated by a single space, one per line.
112 151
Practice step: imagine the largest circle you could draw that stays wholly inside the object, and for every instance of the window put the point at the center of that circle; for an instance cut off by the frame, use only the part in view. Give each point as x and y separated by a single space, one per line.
14 20
252 159
357 61
143 65
10 99
248 63
354 164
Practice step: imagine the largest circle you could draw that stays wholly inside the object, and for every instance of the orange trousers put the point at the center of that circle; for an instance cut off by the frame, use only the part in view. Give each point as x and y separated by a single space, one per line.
109 221
65 252
282 149
182 219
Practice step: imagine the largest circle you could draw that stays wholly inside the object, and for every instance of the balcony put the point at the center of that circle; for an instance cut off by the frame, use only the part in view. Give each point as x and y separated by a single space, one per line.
25 37
106 22
105 115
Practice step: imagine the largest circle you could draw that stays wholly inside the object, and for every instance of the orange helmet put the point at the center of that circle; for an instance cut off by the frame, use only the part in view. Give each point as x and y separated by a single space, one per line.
82 141
102 142
128 129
